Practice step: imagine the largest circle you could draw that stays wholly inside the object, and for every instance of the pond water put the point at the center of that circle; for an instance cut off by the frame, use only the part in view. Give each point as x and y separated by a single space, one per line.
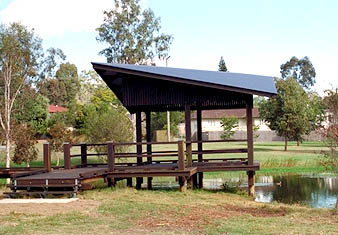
317 191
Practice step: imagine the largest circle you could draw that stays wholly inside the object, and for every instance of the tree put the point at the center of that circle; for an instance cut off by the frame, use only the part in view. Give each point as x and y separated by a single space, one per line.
108 124
159 121
32 108
25 150
20 51
221 66
288 112
228 124
133 35
300 69
59 134
330 133
63 88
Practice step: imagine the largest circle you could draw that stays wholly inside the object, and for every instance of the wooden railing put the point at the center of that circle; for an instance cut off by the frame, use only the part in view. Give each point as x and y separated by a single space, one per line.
112 154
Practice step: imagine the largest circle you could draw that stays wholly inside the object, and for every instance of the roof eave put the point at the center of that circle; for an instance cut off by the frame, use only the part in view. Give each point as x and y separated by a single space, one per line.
180 80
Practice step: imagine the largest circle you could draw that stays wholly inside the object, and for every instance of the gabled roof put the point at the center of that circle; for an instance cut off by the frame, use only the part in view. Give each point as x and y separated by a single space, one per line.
238 82
56 109
220 113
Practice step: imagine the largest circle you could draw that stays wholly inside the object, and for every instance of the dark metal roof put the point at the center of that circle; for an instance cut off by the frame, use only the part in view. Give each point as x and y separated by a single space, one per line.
244 83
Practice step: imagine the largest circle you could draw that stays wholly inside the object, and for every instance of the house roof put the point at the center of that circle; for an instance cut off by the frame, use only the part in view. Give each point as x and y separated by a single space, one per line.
56 109
220 113
238 82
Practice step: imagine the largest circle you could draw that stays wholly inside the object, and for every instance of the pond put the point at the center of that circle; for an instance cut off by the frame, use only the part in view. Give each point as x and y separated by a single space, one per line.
317 191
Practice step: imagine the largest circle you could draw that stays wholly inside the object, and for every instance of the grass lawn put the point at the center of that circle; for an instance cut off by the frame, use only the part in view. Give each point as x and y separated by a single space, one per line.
123 210
127 211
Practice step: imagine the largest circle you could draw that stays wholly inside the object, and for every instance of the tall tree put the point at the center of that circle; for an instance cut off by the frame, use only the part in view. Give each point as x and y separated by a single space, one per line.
20 51
221 65
288 112
133 35
63 88
300 69
330 133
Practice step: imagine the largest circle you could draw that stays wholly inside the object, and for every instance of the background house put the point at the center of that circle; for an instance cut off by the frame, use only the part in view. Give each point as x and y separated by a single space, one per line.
212 129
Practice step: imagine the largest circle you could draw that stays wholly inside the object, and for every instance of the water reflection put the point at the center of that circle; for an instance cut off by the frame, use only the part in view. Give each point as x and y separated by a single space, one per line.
315 191
318 191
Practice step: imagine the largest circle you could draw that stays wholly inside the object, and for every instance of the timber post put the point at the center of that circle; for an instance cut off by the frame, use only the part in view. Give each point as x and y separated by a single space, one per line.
139 180
199 145
111 162
83 154
181 165
46 157
249 131
149 147
66 155
188 141
251 183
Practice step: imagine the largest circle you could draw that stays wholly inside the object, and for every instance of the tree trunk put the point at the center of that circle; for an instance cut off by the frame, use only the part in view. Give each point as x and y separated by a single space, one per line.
298 143
57 159
8 150
286 144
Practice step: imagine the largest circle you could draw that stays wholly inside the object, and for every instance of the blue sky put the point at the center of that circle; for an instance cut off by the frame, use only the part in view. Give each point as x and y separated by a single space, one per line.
253 36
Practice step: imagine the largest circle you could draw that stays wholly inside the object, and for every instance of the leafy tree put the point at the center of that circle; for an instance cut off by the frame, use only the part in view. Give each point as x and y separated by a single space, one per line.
300 69
20 51
228 124
25 142
108 124
159 121
221 66
62 89
288 112
89 83
330 133
51 61
133 35
32 108
59 134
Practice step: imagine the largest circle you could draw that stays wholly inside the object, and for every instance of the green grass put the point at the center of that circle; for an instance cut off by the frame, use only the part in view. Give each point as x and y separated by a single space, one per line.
127 211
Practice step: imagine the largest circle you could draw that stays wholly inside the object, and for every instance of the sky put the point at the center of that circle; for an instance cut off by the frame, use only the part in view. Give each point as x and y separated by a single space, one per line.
253 36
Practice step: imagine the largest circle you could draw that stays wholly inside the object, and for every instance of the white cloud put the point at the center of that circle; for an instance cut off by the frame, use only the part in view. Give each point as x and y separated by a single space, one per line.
55 17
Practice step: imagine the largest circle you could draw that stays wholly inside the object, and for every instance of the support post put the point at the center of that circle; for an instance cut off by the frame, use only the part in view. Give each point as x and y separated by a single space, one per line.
249 131
149 147
251 183
188 141
111 162
249 123
111 156
139 180
66 155
181 165
83 154
199 145
46 157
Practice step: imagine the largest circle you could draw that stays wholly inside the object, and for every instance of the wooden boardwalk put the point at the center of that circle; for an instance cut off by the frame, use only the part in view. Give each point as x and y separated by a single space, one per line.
71 179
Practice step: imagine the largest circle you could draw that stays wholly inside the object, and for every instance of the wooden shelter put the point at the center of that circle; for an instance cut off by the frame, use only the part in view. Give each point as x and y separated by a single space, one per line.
150 89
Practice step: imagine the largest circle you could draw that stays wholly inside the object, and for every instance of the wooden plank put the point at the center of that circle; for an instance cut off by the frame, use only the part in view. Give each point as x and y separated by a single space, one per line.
46 157
199 135
66 155
83 154
249 127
